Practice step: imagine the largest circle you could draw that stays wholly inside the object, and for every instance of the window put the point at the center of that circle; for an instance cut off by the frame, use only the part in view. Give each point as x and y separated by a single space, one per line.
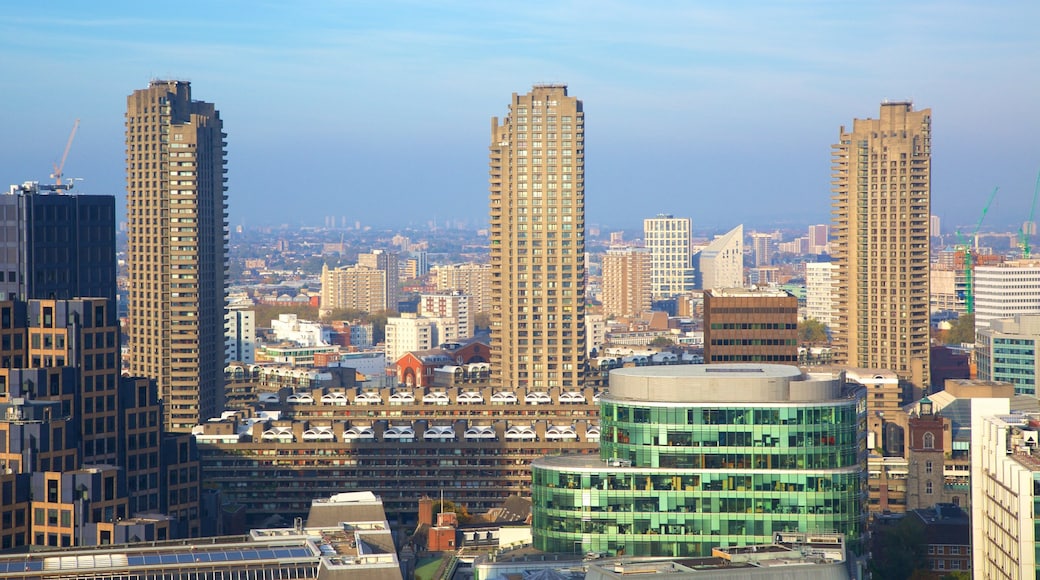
929 441
927 466
928 488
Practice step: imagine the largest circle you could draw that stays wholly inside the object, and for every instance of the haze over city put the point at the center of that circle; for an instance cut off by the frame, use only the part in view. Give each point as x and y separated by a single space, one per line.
380 111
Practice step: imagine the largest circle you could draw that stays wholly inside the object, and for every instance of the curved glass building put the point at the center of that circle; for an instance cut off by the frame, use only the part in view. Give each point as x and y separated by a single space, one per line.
697 456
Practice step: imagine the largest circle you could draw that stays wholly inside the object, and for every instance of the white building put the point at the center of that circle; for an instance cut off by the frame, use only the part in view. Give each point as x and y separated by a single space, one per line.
408 333
302 332
595 332
1005 475
1007 289
819 291
722 261
240 336
449 305
669 240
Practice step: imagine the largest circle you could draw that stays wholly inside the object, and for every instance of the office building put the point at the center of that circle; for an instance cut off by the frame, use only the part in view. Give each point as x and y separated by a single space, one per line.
407 333
386 262
697 456
881 206
177 242
473 280
626 281
1006 290
750 325
537 231
353 288
1006 350
819 291
763 246
669 240
721 263
56 246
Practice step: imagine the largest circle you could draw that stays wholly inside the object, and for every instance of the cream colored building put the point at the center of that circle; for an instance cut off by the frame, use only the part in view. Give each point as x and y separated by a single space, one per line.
537 232
669 240
451 306
355 287
409 333
385 262
626 281
474 280
881 205
177 249
819 291
721 263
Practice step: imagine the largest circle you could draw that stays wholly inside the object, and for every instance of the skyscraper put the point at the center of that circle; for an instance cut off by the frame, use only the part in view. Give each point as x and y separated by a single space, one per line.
668 239
763 246
177 212
881 208
537 195
385 262
626 281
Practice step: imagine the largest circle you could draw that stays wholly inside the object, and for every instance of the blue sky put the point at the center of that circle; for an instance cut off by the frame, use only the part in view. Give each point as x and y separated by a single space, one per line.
380 111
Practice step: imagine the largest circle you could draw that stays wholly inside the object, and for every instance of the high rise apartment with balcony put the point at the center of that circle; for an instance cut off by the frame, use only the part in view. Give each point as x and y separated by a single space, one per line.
881 206
177 212
537 195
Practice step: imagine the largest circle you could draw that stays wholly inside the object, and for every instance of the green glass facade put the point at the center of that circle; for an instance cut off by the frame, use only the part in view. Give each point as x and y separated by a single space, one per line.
676 479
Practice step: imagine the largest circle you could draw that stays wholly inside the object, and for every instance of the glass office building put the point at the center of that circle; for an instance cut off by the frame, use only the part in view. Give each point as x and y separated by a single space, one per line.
693 457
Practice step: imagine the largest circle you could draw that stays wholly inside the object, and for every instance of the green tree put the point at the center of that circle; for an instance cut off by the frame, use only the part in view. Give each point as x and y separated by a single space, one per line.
265 313
662 342
961 330
902 550
345 314
812 330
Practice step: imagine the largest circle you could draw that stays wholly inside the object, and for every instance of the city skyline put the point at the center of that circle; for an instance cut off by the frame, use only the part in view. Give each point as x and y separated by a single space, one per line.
684 99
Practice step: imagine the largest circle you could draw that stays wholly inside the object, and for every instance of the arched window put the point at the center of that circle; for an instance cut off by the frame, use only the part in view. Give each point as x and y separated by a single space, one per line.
929 441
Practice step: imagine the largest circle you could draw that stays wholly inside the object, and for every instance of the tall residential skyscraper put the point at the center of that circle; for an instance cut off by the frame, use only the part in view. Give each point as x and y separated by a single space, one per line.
537 194
881 208
177 213
669 242
385 262
763 246
626 281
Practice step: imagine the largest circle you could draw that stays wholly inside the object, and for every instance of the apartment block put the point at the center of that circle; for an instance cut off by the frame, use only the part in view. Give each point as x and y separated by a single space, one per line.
668 239
627 287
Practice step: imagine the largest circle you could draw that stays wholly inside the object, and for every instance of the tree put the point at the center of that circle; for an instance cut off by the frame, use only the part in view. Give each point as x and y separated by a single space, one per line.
348 314
662 342
482 320
961 330
812 330
901 552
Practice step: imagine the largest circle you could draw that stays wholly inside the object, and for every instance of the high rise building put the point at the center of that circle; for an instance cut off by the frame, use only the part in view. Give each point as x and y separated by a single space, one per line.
818 239
1006 350
626 281
537 194
473 280
819 291
56 246
763 247
721 263
453 306
881 207
240 336
385 262
353 287
934 226
669 240
177 213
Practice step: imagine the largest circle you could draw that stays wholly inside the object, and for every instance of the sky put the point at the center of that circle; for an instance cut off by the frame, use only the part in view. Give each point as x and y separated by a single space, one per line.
380 111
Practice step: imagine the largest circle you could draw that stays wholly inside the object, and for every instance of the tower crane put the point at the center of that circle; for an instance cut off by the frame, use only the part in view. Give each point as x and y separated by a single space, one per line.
969 274
59 167
1023 236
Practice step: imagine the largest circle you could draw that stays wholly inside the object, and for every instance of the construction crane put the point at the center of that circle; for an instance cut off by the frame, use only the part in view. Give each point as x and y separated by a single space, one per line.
969 274
1023 235
59 167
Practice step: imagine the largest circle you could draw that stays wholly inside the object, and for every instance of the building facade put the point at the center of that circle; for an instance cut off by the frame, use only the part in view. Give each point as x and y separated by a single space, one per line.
697 456
1006 350
1006 290
763 245
354 288
408 333
669 240
240 336
177 214
473 280
386 262
818 239
750 325
881 206
721 263
452 306
57 246
819 292
627 290
537 231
